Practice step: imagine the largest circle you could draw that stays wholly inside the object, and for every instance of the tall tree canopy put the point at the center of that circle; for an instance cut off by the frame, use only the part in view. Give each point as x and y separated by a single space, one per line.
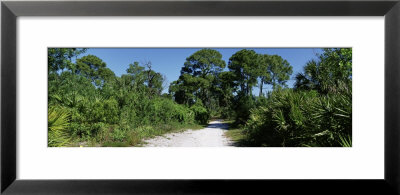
245 67
280 71
203 63
60 58
140 78
273 70
197 76
93 68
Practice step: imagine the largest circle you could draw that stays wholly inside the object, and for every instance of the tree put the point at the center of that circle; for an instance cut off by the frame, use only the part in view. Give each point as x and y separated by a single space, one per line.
310 78
203 63
264 61
279 70
147 79
93 68
223 87
244 65
331 71
61 58
154 80
197 77
135 76
183 90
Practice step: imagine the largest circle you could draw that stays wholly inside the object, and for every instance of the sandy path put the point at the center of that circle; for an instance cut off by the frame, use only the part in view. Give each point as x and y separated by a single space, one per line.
211 136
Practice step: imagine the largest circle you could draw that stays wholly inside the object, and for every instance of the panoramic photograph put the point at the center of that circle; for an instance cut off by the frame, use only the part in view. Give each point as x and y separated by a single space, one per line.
199 97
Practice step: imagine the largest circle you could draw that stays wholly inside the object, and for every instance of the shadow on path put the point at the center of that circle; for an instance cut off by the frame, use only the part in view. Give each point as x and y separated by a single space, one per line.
218 125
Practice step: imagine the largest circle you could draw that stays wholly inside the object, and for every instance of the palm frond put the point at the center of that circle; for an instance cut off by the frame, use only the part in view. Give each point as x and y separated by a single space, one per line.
58 123
345 141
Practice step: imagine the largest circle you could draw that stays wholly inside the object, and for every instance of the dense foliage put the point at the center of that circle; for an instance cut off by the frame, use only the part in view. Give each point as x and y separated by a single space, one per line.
301 118
317 112
90 105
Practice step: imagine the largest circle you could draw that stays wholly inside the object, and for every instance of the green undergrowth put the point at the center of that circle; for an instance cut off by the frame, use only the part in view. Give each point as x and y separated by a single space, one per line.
115 137
236 133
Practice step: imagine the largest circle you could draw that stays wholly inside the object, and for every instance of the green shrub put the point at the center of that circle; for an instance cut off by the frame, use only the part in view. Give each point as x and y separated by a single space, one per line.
183 114
201 115
100 107
119 134
111 111
80 130
301 118
147 131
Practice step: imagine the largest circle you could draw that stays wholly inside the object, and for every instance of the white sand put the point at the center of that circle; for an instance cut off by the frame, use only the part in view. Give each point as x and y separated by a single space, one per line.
212 136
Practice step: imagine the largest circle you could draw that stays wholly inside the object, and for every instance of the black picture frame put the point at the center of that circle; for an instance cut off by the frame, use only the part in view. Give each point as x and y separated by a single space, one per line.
10 10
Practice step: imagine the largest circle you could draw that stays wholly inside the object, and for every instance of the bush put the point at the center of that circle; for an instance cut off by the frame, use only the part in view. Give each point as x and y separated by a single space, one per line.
301 118
201 115
168 111
183 114
119 134
80 130
101 108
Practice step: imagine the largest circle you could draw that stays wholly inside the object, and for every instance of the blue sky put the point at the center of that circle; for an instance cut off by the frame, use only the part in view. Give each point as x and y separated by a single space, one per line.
169 61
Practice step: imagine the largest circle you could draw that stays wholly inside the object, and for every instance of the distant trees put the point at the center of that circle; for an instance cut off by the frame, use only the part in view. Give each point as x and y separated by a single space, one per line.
249 67
228 93
280 71
273 70
317 112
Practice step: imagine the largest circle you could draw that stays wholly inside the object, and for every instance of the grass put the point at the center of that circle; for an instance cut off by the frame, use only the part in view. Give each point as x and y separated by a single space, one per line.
132 137
236 134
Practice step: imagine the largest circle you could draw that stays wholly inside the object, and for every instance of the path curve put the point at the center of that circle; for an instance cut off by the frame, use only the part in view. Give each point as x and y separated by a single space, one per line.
212 136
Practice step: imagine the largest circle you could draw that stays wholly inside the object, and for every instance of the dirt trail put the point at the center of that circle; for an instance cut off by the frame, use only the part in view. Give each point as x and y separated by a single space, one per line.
212 136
